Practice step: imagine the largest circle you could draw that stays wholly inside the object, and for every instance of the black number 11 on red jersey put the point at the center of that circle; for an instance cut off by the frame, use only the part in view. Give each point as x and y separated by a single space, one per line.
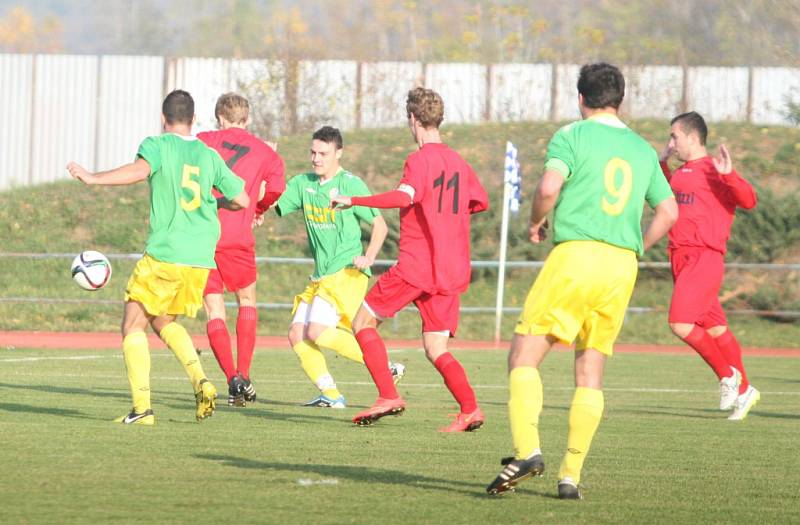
438 182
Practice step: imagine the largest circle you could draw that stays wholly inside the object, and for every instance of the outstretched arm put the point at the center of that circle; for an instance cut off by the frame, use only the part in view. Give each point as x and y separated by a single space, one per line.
389 199
239 202
132 173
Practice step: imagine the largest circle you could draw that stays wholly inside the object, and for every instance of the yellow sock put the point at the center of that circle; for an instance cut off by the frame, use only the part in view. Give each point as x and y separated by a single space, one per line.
584 418
178 340
524 407
342 342
137 362
313 363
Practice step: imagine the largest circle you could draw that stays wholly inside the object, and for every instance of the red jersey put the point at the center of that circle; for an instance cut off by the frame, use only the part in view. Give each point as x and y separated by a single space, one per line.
707 202
255 162
434 251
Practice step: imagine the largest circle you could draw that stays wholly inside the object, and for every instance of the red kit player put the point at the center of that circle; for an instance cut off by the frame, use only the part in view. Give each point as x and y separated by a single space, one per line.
708 191
437 195
263 172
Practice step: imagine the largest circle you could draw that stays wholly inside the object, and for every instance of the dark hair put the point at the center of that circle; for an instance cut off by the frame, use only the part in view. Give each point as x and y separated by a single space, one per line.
692 121
178 107
330 135
602 85
427 107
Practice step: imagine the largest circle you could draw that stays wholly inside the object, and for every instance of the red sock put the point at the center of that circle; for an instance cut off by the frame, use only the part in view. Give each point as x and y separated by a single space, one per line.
245 338
221 346
705 345
730 348
377 361
456 380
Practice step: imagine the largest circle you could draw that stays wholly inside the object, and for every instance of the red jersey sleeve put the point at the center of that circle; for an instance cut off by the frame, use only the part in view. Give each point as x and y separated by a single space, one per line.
274 174
665 169
478 198
414 177
389 199
741 191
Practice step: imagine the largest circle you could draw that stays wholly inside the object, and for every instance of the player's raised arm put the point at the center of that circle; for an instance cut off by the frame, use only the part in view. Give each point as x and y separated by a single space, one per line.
742 191
132 173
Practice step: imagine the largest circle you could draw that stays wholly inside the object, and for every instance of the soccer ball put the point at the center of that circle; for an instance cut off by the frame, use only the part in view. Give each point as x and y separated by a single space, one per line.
91 270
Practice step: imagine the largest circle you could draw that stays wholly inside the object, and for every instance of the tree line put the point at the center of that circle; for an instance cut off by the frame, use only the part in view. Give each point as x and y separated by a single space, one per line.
682 32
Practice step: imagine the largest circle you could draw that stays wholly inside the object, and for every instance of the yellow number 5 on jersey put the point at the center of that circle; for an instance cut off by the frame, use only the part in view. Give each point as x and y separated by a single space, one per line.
192 185
619 193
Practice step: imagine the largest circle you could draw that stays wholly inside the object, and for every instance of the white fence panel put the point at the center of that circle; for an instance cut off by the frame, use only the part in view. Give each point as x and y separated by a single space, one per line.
16 99
326 94
773 88
463 88
384 88
520 92
205 79
64 115
652 91
263 82
129 109
566 102
718 93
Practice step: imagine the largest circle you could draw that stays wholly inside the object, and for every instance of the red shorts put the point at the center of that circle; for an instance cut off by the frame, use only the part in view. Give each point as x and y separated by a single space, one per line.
236 269
698 274
391 294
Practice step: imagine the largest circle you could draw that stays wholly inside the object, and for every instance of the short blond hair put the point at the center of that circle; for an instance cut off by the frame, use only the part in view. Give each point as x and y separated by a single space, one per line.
427 107
232 107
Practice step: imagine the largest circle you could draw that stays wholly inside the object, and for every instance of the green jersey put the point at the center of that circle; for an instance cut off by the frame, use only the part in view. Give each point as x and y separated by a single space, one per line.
184 228
609 172
333 235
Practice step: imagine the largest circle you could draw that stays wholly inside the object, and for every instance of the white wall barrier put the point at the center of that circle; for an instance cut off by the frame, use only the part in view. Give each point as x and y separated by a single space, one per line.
96 109
16 99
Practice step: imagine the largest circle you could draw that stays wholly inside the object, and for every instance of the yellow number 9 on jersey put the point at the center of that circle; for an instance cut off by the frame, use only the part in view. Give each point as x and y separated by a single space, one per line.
620 193
192 185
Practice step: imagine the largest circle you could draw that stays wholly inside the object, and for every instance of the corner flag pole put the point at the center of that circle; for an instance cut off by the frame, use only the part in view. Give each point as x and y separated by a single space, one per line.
511 194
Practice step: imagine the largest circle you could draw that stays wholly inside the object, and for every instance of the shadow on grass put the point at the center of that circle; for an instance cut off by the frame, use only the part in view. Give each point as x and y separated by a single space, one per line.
313 415
697 413
31 409
773 415
51 389
369 475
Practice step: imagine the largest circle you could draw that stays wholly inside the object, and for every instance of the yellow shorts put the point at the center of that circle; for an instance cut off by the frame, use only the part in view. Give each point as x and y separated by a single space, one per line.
581 295
165 288
345 290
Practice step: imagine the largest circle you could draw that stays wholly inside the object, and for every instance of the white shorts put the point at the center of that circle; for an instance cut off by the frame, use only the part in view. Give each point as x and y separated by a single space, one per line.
319 311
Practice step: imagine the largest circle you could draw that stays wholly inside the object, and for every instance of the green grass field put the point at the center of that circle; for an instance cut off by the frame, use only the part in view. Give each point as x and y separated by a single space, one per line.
663 454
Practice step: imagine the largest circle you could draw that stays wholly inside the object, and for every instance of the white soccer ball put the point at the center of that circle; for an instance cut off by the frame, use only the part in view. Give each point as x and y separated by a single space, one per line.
91 270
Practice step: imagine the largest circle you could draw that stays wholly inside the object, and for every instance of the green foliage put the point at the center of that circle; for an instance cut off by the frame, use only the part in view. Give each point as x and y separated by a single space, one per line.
763 233
793 112
67 217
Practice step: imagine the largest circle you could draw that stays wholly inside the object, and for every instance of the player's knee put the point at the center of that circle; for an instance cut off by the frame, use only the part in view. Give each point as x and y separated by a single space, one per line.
682 330
363 319
313 331
295 334
716 331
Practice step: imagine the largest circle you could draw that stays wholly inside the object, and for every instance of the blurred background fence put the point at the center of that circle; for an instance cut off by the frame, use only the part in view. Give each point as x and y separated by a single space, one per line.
96 109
